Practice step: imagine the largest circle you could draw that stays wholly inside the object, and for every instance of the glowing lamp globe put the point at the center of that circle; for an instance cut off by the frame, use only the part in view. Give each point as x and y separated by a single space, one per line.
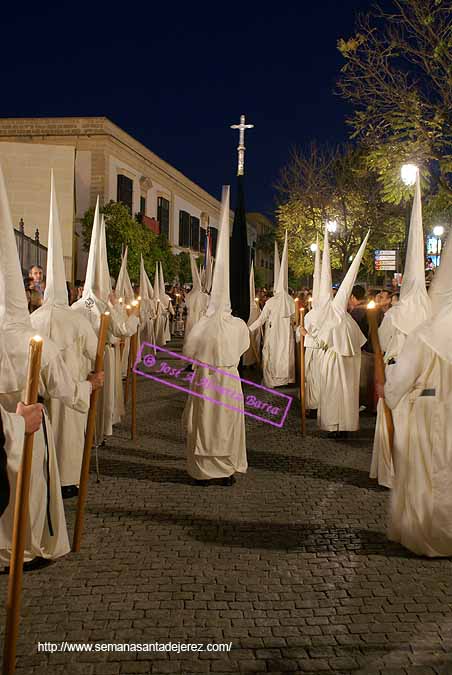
408 173
438 231
313 247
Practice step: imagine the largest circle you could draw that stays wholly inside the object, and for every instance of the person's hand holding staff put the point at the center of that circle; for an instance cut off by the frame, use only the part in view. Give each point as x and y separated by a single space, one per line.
133 354
21 508
89 435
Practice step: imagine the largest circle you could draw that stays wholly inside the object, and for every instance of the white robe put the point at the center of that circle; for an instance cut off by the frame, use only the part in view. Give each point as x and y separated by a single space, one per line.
421 499
110 407
196 302
313 364
382 468
338 404
78 344
56 382
278 353
216 442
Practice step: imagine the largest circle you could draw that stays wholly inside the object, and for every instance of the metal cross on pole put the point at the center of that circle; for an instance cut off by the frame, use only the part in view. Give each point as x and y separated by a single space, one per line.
241 147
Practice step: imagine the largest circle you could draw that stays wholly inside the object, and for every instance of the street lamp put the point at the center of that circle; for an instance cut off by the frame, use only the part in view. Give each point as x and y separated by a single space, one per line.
438 232
313 248
408 173
331 225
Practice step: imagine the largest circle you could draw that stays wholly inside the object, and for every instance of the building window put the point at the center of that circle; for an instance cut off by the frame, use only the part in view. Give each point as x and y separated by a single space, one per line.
163 215
125 191
214 237
184 229
194 233
143 206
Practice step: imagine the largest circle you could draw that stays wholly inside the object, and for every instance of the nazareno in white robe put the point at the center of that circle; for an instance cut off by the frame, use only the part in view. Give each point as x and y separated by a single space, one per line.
46 509
391 341
77 342
278 353
421 499
110 406
313 363
216 442
338 405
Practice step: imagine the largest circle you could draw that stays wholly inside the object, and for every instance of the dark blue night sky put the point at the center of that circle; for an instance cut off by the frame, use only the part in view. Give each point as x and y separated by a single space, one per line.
176 75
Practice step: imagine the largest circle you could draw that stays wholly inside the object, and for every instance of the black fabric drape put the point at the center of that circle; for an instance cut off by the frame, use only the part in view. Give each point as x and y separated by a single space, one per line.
239 264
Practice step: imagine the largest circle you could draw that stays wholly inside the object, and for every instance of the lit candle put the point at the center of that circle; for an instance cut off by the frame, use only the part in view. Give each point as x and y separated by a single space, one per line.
297 311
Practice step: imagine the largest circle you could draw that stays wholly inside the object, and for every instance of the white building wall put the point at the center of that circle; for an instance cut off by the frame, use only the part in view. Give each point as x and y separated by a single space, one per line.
27 167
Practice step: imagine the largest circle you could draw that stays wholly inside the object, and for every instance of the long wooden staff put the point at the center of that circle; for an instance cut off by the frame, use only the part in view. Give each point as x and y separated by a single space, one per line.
89 435
129 361
302 375
21 507
380 377
133 357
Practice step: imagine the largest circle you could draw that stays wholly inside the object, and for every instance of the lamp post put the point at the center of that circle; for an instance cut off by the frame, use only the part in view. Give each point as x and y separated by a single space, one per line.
438 232
331 226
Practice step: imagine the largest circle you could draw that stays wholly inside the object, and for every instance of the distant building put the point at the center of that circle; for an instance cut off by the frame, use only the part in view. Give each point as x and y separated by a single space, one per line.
263 257
91 156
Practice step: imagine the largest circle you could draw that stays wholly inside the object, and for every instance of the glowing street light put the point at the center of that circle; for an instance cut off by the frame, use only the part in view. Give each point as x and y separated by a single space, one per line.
313 248
438 230
331 225
408 173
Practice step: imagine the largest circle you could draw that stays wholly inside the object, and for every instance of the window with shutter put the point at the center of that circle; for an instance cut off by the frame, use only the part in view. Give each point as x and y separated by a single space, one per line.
214 236
143 206
125 191
184 229
194 233
163 206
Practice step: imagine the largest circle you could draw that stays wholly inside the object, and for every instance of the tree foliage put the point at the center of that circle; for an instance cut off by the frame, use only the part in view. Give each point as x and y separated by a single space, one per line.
123 230
323 184
398 77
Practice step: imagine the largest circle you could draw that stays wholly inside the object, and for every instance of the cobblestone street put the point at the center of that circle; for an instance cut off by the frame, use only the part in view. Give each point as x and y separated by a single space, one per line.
291 564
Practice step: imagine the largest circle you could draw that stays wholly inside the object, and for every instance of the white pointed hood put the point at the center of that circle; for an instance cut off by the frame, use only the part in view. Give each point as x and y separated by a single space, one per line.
13 301
316 276
102 278
326 282
254 309
283 304
437 332
219 338
55 291
194 274
276 267
336 328
440 292
414 305
145 284
156 283
15 324
123 285
88 287
209 275
340 302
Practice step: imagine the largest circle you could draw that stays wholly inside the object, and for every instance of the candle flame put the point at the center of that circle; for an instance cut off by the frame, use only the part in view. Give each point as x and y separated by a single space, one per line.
309 299
297 300
256 299
128 307
134 303
139 297
37 338
371 305
120 300
107 313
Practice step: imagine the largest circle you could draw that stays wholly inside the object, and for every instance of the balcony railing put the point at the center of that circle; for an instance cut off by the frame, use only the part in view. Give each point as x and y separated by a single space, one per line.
31 251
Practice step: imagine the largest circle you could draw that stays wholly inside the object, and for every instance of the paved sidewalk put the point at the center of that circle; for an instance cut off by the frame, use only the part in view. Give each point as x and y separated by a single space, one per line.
291 565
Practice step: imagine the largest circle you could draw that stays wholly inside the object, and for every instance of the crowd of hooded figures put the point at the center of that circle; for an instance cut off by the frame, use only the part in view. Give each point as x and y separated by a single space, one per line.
415 336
